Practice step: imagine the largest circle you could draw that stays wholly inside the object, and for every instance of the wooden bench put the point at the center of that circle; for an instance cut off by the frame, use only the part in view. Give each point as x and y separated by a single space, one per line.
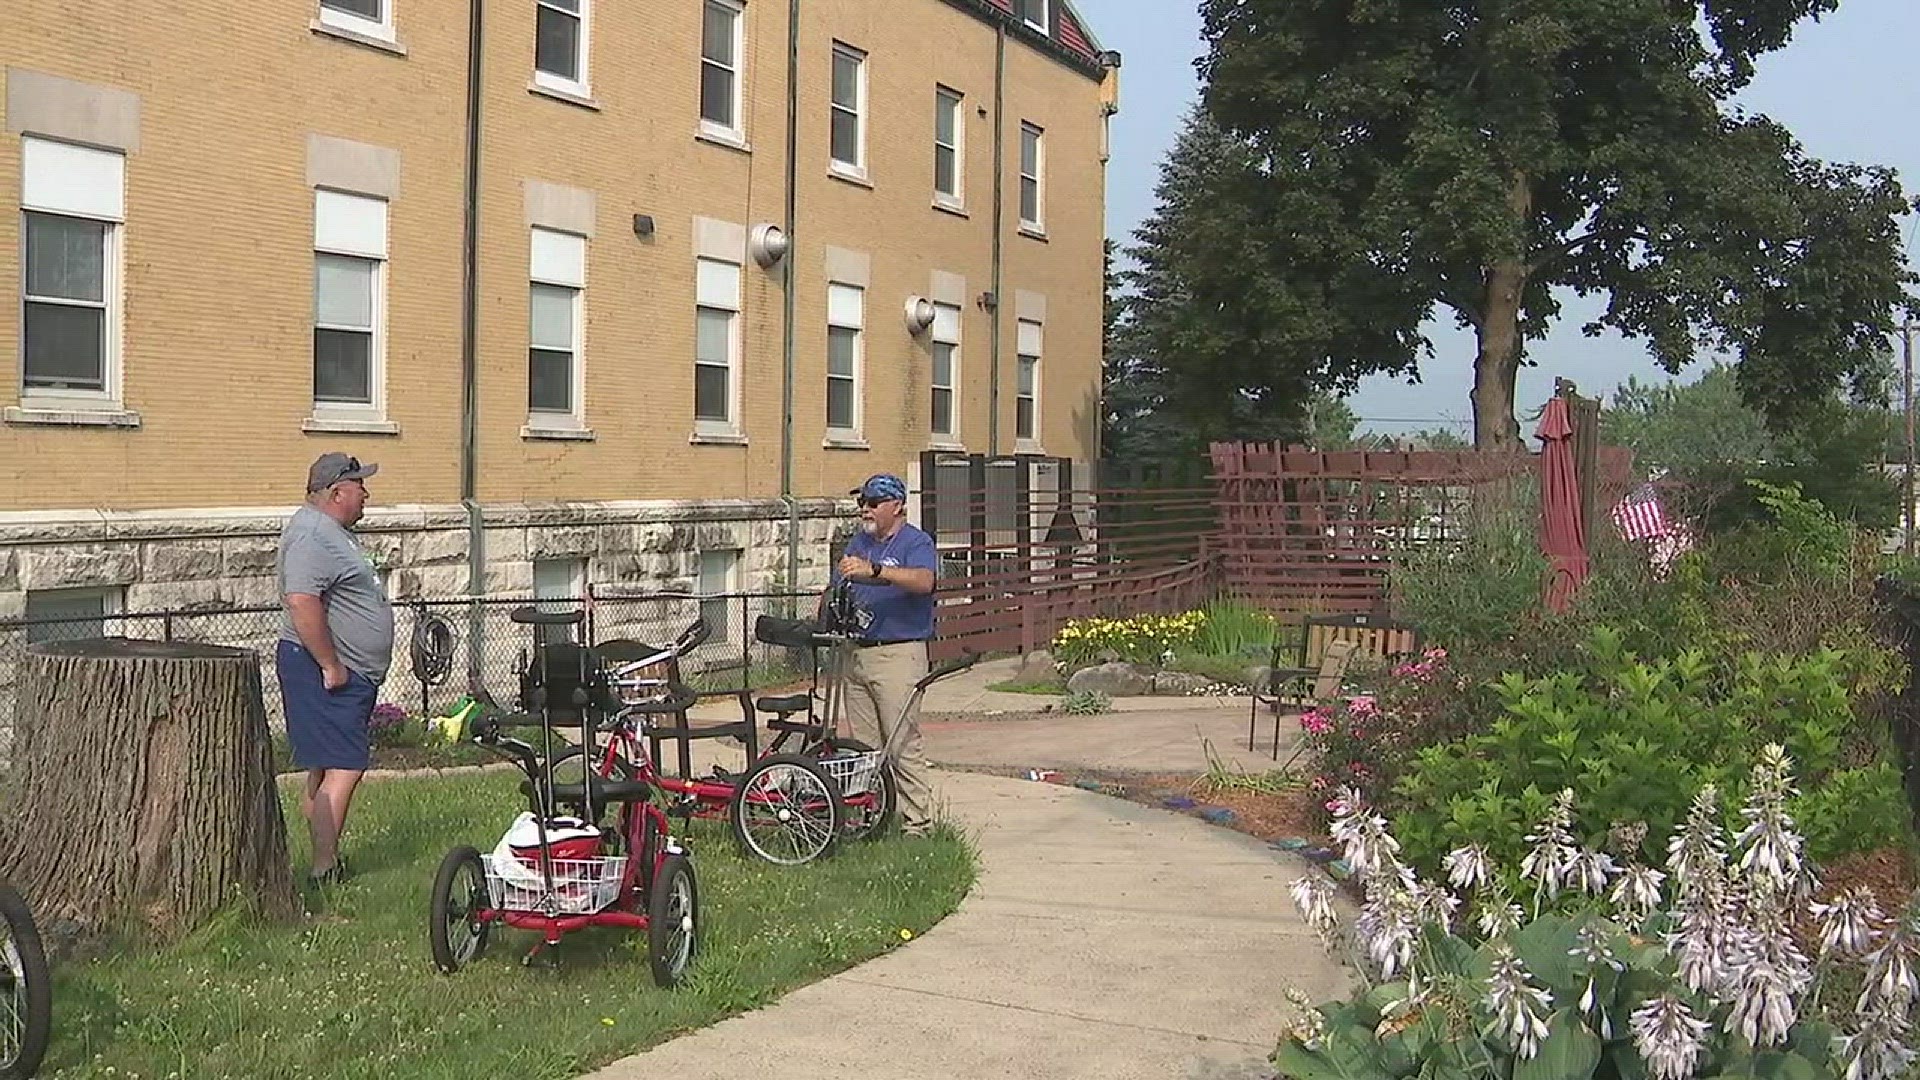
1329 644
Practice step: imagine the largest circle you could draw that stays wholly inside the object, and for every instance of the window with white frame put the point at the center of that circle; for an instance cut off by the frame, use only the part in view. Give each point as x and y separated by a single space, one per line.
949 135
1033 164
559 282
560 44
721 54
371 17
846 315
719 581
1033 13
558 585
349 301
1026 401
73 202
945 424
71 614
849 110
716 348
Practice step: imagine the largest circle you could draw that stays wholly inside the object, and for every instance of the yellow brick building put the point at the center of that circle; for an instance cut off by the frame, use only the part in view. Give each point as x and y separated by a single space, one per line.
625 294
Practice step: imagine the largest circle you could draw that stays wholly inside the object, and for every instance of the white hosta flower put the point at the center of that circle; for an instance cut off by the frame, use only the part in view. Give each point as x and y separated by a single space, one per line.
1590 871
1669 1037
1698 847
1763 1005
1499 917
1369 847
1436 906
1849 924
1519 1008
1311 1027
1769 847
1890 980
1879 1050
1553 854
1389 925
1637 893
1313 895
1468 868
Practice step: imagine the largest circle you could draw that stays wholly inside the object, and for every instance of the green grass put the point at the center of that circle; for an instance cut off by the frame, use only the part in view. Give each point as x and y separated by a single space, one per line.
352 991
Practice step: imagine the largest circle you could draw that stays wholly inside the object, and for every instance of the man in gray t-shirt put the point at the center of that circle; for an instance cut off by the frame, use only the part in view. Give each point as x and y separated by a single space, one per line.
336 644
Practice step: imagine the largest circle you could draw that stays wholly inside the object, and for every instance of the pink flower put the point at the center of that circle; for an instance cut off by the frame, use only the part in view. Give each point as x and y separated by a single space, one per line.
1315 722
1363 705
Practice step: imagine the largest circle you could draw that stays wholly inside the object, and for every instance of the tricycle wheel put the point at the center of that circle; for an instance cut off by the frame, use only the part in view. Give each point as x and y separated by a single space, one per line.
26 989
869 822
786 810
458 937
673 920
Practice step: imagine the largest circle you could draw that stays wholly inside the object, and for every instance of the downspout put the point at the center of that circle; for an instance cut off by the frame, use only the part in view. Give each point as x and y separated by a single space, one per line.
788 288
469 346
999 229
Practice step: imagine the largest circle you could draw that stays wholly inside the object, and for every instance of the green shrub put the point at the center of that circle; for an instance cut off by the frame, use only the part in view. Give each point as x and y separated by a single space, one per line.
1862 809
1632 739
1086 703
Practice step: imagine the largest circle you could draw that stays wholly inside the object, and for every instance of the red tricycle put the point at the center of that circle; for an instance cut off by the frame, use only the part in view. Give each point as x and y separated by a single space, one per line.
557 870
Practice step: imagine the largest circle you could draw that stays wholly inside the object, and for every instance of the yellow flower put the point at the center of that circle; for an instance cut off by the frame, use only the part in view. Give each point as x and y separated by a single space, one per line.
906 934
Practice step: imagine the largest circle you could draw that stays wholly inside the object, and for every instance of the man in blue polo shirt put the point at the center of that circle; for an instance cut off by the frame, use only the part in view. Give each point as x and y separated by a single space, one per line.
890 565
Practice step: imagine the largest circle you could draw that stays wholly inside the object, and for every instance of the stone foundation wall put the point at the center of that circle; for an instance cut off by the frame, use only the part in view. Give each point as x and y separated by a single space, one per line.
205 564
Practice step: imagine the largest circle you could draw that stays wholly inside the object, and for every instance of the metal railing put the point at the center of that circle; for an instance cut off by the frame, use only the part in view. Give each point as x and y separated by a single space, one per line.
488 647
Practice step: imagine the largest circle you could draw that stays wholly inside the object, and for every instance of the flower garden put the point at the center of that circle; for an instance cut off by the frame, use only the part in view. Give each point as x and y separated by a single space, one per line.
1663 835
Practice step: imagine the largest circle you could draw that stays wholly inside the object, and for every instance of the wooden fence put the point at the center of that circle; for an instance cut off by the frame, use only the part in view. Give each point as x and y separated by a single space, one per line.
1029 543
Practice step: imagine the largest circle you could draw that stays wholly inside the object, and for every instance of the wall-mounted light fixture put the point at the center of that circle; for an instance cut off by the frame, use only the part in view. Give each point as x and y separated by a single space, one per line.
920 314
768 244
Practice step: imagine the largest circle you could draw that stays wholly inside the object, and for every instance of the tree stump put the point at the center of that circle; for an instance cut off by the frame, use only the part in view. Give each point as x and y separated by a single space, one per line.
143 793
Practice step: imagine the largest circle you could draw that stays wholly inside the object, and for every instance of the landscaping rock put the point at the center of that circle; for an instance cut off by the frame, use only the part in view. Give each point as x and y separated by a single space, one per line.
1180 684
1113 680
1037 667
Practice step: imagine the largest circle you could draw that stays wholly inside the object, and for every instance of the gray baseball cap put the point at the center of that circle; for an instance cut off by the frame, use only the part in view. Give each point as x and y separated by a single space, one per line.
331 468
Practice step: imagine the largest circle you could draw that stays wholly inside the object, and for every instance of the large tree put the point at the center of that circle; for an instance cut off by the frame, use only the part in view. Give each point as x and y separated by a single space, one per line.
1185 331
1479 155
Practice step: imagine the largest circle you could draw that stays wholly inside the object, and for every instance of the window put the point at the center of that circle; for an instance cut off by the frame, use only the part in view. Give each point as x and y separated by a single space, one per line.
70 614
559 280
1026 407
720 60
948 133
73 204
558 585
849 135
716 348
560 45
1032 166
946 361
1033 13
371 17
719 580
349 262
845 317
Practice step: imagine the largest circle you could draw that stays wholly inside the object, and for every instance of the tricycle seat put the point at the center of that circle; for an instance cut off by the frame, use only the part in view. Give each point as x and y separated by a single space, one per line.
792 703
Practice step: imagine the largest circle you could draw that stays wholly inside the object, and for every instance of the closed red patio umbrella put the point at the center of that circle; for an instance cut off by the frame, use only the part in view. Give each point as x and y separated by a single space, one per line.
1563 535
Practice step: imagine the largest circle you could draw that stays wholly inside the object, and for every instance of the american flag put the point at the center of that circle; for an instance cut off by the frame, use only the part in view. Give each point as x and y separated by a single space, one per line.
1640 516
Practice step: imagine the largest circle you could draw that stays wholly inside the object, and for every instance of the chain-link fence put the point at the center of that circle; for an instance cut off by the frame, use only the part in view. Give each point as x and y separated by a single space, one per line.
488 647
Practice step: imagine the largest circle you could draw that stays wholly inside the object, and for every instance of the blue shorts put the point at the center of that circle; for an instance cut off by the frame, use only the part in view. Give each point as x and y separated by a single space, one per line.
326 728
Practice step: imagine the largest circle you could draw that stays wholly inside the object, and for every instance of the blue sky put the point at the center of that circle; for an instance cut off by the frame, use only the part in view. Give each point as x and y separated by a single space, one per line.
1845 87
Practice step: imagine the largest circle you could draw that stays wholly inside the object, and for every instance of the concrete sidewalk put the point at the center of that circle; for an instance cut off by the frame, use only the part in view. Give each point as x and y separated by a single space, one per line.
1103 939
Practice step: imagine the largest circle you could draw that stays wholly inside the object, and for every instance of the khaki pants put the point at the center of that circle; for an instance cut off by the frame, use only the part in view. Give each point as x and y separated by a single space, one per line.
878 683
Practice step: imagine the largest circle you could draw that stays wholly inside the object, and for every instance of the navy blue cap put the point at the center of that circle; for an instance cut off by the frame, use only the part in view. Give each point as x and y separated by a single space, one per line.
882 486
